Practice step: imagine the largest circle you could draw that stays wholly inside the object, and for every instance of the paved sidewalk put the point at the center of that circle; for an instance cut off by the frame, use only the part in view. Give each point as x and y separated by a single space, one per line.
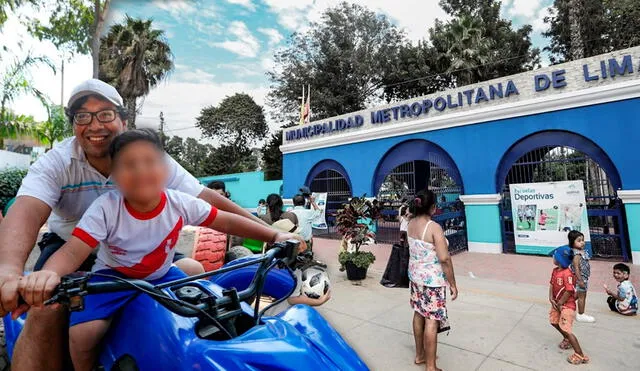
496 324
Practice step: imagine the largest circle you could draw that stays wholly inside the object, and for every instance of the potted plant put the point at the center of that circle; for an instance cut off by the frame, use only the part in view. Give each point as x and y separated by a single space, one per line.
352 224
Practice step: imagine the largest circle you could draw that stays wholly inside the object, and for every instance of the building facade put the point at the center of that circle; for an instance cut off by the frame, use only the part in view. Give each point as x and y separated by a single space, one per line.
578 120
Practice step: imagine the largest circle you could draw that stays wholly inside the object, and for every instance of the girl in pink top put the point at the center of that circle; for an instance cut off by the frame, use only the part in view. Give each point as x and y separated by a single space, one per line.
430 270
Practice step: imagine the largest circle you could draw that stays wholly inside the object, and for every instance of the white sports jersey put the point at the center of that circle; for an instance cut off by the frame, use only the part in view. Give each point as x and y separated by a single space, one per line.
64 180
140 245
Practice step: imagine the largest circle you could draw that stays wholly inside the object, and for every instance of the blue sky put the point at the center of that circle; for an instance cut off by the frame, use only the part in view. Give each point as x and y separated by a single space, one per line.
222 47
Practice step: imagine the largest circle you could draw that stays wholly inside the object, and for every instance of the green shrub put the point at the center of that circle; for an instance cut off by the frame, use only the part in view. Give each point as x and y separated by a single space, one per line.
10 180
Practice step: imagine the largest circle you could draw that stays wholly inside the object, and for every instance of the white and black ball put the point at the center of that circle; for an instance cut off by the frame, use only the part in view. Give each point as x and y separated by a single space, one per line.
315 282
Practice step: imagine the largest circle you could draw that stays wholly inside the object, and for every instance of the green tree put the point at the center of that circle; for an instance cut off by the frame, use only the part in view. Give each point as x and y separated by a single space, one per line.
237 121
17 81
584 28
13 126
173 147
417 70
55 128
482 43
468 51
74 26
134 58
343 57
194 157
272 157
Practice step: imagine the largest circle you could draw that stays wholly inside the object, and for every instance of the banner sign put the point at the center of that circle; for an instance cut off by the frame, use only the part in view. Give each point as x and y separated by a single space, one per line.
321 200
544 213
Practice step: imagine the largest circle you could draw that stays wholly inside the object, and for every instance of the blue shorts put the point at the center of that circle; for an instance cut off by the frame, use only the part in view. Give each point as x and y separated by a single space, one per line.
103 306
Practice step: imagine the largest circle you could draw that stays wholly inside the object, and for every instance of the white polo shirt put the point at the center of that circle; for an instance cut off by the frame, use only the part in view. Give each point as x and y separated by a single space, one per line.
140 245
64 180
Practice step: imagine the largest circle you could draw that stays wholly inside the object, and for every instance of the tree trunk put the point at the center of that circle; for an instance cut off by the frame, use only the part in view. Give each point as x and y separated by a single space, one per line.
130 105
577 43
100 10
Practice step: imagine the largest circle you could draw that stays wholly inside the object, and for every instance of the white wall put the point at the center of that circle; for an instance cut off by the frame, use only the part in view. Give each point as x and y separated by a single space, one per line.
12 159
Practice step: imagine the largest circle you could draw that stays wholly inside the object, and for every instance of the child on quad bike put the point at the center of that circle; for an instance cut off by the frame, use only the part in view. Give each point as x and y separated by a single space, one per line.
136 230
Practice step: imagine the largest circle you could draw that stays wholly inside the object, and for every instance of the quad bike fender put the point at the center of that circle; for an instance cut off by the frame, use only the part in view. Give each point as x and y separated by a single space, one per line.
326 340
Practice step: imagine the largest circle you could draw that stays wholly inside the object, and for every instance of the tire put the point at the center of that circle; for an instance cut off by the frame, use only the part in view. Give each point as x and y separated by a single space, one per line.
5 364
237 252
209 248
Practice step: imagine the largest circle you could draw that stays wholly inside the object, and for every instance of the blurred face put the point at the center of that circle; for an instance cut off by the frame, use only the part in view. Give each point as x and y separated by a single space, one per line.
620 276
95 125
579 244
140 171
221 192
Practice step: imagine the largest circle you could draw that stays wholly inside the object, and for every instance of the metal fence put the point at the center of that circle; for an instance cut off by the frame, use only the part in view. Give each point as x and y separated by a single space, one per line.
551 164
402 184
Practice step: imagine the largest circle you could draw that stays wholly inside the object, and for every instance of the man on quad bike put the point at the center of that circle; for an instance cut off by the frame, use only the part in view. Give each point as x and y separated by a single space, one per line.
60 187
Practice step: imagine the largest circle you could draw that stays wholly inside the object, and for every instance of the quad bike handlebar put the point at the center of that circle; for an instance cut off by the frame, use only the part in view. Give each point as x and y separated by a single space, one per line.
190 303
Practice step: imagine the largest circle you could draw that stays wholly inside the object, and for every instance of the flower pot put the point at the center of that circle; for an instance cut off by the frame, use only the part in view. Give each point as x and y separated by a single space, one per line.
355 273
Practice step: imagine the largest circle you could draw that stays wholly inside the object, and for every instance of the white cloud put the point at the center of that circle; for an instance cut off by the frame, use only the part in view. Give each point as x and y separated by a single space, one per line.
241 69
246 3
243 44
176 7
415 18
189 74
538 22
274 36
524 8
181 103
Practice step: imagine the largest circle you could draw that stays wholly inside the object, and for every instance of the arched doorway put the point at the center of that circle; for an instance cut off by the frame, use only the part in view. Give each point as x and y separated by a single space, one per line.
558 156
330 177
410 167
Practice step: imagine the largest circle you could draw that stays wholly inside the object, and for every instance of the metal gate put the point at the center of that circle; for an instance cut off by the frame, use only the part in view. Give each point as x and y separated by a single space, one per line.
402 184
560 163
338 193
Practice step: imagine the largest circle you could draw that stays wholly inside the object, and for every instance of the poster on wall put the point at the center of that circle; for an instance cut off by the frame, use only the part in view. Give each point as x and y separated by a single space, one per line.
544 213
321 200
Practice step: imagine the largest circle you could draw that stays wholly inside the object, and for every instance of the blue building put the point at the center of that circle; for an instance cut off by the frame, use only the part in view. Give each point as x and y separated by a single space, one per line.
246 189
578 120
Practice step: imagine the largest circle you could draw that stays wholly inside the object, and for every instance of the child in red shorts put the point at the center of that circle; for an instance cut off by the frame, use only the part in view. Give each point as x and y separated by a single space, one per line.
563 303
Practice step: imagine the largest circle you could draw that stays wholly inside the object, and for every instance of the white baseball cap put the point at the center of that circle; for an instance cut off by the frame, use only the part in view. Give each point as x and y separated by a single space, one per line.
98 87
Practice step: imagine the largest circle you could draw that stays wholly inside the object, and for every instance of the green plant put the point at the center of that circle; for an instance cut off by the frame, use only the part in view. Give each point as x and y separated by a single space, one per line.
10 181
361 259
350 225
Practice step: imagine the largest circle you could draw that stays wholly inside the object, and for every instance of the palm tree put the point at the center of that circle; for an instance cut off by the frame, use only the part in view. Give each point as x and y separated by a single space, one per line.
17 81
13 126
134 58
467 49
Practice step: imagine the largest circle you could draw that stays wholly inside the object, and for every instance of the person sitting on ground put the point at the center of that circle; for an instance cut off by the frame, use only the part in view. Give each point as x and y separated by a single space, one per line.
625 300
430 271
306 217
274 211
563 303
135 230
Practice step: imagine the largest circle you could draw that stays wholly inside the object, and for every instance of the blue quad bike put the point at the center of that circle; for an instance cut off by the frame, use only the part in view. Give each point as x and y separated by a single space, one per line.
205 322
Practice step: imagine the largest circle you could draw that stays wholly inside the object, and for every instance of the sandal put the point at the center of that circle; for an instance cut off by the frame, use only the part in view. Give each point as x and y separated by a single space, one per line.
576 359
565 344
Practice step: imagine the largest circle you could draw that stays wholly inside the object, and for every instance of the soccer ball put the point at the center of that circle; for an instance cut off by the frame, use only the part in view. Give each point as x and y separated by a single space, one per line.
315 282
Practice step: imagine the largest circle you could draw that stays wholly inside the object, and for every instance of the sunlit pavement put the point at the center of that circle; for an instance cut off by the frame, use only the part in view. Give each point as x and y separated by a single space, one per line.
499 322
